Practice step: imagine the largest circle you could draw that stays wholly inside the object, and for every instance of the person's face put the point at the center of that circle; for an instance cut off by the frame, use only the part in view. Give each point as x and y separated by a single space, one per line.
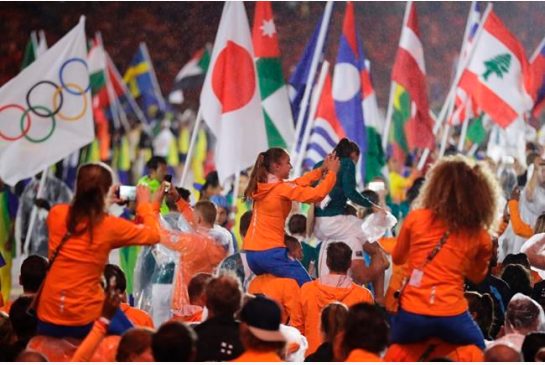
297 253
161 172
242 184
283 168
540 170
354 156
145 356
221 217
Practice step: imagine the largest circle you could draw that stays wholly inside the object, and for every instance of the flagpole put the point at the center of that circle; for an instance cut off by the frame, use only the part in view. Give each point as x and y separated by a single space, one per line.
192 142
311 76
537 50
463 134
459 72
34 40
34 212
311 117
154 81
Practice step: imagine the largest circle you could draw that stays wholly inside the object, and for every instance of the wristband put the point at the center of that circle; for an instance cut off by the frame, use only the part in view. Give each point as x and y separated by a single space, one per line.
105 321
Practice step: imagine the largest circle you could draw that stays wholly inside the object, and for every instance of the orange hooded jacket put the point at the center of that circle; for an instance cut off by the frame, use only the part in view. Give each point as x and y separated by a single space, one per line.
273 203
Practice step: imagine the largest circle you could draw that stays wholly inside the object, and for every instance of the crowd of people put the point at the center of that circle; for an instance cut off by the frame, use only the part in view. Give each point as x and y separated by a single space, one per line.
436 265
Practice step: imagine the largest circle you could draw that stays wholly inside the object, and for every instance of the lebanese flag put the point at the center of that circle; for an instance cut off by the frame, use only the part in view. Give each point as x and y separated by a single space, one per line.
230 98
498 75
409 71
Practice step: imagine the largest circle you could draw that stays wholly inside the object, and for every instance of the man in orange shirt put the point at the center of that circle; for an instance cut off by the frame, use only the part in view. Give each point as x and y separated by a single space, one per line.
335 286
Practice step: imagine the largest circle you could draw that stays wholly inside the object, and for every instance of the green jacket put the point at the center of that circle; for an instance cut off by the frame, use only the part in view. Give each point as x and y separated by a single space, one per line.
153 186
344 190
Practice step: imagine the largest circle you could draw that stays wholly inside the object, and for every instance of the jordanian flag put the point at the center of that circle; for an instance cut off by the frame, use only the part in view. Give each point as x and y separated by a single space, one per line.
411 122
274 93
191 76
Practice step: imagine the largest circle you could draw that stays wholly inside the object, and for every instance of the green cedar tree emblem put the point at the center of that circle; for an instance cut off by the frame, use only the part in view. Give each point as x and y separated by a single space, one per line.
498 65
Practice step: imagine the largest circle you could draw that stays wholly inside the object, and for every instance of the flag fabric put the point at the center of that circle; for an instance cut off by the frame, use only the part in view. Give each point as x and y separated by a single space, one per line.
31 50
476 133
191 76
463 106
375 158
412 125
51 102
326 131
537 66
6 252
347 85
140 78
230 99
274 93
497 77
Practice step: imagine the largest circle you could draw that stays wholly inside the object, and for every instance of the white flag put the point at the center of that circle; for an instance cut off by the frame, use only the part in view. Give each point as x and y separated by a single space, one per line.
230 99
46 111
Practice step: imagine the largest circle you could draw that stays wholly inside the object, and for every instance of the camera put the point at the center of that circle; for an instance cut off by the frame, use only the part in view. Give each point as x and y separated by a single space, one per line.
126 193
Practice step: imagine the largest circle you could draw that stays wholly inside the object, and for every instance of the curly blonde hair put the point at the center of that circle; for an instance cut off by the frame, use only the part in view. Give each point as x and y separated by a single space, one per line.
462 193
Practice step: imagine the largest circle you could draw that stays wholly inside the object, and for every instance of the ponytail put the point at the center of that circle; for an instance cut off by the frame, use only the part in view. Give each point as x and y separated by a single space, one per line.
333 319
262 168
345 148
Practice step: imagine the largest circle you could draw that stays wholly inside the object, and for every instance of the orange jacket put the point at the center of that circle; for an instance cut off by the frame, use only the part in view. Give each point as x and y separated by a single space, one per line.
138 317
285 292
360 355
315 296
441 291
272 205
72 294
255 356
413 352
520 227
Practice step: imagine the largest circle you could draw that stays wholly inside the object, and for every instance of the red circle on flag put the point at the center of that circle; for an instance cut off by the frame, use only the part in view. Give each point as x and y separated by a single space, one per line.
233 78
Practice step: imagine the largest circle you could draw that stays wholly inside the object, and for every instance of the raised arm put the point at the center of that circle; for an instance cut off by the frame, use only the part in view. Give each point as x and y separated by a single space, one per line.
534 249
309 194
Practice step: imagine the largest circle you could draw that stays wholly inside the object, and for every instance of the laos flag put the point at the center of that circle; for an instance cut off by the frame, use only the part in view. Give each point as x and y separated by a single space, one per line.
347 91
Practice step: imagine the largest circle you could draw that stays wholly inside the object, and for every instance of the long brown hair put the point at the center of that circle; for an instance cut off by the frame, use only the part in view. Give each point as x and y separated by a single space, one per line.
87 208
333 319
262 167
462 193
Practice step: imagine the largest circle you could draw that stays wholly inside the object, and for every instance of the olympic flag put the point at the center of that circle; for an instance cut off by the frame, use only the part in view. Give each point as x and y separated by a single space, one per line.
46 110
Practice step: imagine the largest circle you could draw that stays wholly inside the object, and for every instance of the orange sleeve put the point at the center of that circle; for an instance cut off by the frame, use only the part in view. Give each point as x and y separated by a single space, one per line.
308 194
89 345
309 177
186 210
401 249
478 267
520 227
292 300
502 227
127 233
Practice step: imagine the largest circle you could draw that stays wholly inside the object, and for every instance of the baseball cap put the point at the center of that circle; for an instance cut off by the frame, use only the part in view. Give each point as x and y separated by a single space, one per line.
263 318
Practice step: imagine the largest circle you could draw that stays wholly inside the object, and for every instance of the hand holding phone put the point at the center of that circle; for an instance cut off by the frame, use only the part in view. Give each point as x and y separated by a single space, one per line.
168 182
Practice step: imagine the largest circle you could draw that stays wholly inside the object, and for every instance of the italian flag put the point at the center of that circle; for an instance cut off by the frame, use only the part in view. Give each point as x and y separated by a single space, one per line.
412 126
274 93
497 76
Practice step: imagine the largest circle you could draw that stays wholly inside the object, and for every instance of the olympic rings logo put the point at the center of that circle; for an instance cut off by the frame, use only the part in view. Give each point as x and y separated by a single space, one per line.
42 111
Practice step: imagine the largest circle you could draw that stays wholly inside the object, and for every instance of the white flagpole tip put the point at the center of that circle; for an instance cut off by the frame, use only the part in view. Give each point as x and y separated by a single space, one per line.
82 19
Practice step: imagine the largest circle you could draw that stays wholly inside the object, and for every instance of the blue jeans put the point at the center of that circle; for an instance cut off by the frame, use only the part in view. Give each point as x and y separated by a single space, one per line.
276 261
410 328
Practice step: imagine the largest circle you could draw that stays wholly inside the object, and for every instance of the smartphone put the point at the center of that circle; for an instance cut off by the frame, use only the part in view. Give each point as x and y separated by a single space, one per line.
376 186
127 193
168 180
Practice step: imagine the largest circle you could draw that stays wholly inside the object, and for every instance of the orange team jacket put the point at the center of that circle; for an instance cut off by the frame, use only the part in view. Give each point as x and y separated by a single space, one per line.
272 205
433 348
520 227
72 294
137 316
285 292
255 356
360 355
315 296
441 290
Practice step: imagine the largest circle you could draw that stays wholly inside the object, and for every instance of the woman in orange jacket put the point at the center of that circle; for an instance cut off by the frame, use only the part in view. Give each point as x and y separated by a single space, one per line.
72 296
443 241
272 199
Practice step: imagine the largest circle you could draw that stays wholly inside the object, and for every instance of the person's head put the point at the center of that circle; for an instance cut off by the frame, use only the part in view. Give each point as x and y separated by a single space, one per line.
33 272
517 258
222 208
481 307
295 249
205 213
113 273
93 182
518 279
533 342
339 258
245 220
539 227
31 356
174 341
460 192
297 224
523 315
260 327
196 288
366 328
373 197
347 149
539 170
22 322
223 296
135 346
274 161
157 168
211 186
502 352
332 320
